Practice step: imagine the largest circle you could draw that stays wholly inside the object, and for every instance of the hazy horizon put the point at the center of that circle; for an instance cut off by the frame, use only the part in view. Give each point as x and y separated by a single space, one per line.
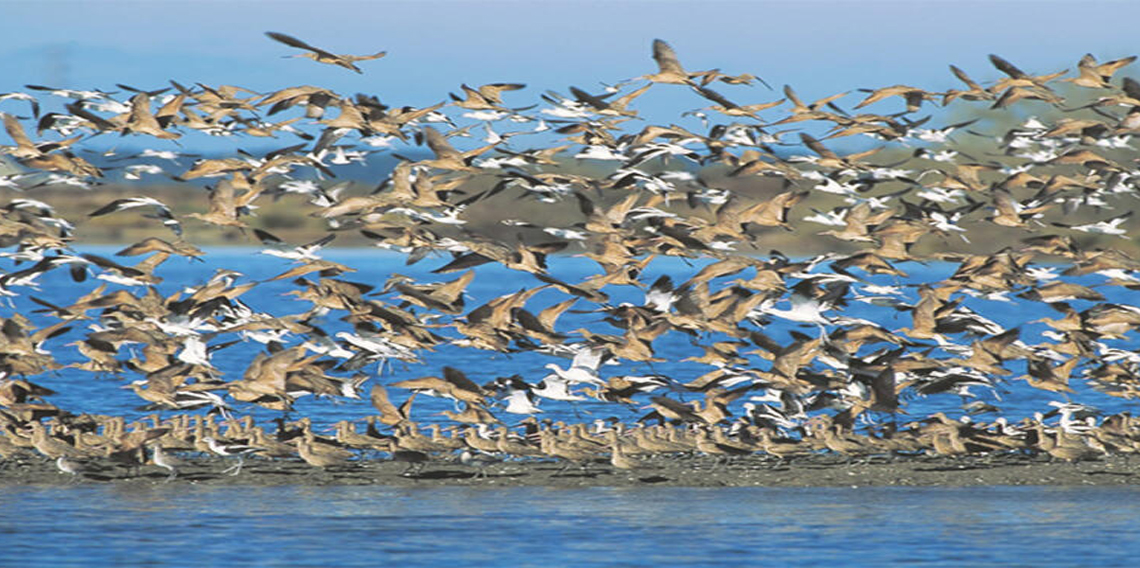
819 47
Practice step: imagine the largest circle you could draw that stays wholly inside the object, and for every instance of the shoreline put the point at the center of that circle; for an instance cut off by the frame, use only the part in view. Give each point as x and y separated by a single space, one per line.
812 471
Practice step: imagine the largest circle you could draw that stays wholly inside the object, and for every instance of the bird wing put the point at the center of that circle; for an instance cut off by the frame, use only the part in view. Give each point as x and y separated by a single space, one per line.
354 58
962 76
294 42
816 146
1007 67
16 131
439 144
665 57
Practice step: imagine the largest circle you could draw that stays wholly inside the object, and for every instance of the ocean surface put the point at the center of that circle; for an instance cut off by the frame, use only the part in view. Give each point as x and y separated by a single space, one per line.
457 527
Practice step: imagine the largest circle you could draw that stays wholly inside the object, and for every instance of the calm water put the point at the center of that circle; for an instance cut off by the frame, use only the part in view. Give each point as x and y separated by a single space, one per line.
374 526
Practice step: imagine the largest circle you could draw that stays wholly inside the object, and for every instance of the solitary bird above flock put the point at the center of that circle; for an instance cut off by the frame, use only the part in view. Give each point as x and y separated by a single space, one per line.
321 56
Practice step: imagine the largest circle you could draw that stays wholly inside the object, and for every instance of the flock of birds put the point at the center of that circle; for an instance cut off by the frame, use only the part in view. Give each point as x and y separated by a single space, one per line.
831 383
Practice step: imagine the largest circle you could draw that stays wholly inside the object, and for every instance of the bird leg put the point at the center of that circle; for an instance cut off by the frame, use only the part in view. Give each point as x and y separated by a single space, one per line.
412 469
236 468
565 466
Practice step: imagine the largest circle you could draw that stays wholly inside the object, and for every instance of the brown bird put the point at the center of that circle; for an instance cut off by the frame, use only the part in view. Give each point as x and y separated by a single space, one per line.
454 385
416 460
618 457
802 111
155 244
1095 75
673 410
830 160
390 414
913 96
321 56
723 449
975 92
569 454
616 107
321 455
142 121
486 97
166 461
446 156
1043 375
1017 77
669 69
223 210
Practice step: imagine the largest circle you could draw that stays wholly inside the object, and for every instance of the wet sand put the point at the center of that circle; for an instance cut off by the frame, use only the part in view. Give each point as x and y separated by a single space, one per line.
814 471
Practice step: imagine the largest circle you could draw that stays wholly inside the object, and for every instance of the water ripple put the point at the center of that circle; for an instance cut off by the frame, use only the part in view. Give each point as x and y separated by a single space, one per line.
528 526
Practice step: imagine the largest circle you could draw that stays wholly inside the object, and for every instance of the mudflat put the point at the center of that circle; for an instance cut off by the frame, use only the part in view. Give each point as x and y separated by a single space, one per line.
811 471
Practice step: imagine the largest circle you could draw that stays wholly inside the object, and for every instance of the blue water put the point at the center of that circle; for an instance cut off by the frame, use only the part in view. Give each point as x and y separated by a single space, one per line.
370 526
86 392
457 527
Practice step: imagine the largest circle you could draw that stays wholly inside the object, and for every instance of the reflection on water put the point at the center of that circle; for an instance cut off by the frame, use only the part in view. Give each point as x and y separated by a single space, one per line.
527 526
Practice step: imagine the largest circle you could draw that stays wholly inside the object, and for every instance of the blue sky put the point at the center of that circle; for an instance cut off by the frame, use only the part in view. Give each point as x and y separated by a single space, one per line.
819 47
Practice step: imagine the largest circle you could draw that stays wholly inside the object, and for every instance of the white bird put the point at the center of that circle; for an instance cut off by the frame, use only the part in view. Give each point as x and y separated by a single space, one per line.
600 153
555 388
479 461
194 352
280 249
448 217
229 450
1042 272
1107 227
136 171
835 218
660 296
1074 416
576 374
18 96
805 308
378 347
70 466
521 401
946 224
161 211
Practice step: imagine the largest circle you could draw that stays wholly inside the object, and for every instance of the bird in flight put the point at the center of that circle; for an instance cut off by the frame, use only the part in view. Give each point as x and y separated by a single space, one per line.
321 56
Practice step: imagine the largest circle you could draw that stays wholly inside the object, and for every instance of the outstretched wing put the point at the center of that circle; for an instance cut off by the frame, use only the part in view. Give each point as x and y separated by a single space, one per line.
294 42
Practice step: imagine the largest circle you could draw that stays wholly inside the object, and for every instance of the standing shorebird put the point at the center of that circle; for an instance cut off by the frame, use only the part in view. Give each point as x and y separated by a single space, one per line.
479 461
569 454
229 450
166 461
618 458
72 467
323 455
416 460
